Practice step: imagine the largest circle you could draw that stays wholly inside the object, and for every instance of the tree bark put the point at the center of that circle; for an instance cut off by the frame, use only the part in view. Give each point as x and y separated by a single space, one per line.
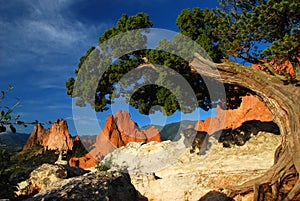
283 102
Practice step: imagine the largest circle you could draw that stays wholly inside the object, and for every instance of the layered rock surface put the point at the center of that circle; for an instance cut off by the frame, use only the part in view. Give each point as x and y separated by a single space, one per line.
251 108
168 170
50 182
41 178
118 131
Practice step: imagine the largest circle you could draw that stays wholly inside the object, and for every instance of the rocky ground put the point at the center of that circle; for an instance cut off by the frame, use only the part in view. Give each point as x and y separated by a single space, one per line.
58 182
167 170
157 171
229 149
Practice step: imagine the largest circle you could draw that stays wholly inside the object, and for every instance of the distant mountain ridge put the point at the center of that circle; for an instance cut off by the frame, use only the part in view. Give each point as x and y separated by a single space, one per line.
13 141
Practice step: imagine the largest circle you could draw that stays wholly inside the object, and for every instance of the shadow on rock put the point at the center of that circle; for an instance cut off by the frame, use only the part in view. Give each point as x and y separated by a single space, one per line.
241 135
215 196
57 182
198 141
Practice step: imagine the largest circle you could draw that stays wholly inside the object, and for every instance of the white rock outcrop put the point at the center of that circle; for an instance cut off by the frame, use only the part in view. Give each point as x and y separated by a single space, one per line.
168 171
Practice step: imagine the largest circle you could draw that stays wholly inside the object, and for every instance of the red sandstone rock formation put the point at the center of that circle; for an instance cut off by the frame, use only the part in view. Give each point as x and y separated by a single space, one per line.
286 67
57 137
251 108
130 132
84 162
118 131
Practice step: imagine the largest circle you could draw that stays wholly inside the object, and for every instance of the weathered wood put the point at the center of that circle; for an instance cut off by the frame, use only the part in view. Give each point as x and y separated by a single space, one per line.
283 102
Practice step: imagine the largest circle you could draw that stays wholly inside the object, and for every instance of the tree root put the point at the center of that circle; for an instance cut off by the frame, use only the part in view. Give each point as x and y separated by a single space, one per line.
272 180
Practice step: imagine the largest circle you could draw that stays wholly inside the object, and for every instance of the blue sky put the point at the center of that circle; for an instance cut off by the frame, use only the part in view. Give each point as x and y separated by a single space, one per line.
42 40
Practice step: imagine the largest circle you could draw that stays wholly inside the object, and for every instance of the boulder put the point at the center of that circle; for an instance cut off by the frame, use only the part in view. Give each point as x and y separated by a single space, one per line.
57 137
52 184
153 156
172 170
84 162
41 178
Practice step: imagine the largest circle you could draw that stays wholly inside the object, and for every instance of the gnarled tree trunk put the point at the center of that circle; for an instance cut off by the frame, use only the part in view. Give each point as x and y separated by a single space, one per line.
283 102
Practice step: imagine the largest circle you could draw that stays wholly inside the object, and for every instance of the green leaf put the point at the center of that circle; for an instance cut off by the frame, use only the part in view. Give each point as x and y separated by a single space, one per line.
7 117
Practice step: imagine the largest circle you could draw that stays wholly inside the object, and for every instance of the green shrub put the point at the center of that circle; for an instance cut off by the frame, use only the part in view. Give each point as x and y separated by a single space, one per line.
101 166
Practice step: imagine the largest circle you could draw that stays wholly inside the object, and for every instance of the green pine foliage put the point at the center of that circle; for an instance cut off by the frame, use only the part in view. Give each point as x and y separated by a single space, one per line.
273 23
254 31
6 117
102 167
200 26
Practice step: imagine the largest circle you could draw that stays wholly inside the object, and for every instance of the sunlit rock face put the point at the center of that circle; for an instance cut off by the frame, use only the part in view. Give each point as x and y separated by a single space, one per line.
84 162
196 164
57 137
40 179
286 67
130 132
251 108
118 131
56 182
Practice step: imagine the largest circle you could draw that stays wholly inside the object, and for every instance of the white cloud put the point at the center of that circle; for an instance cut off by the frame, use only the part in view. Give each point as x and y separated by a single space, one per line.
45 40
50 86
53 33
46 28
51 78
59 107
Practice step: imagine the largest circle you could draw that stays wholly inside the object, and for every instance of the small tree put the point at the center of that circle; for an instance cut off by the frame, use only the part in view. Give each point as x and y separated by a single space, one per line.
6 117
